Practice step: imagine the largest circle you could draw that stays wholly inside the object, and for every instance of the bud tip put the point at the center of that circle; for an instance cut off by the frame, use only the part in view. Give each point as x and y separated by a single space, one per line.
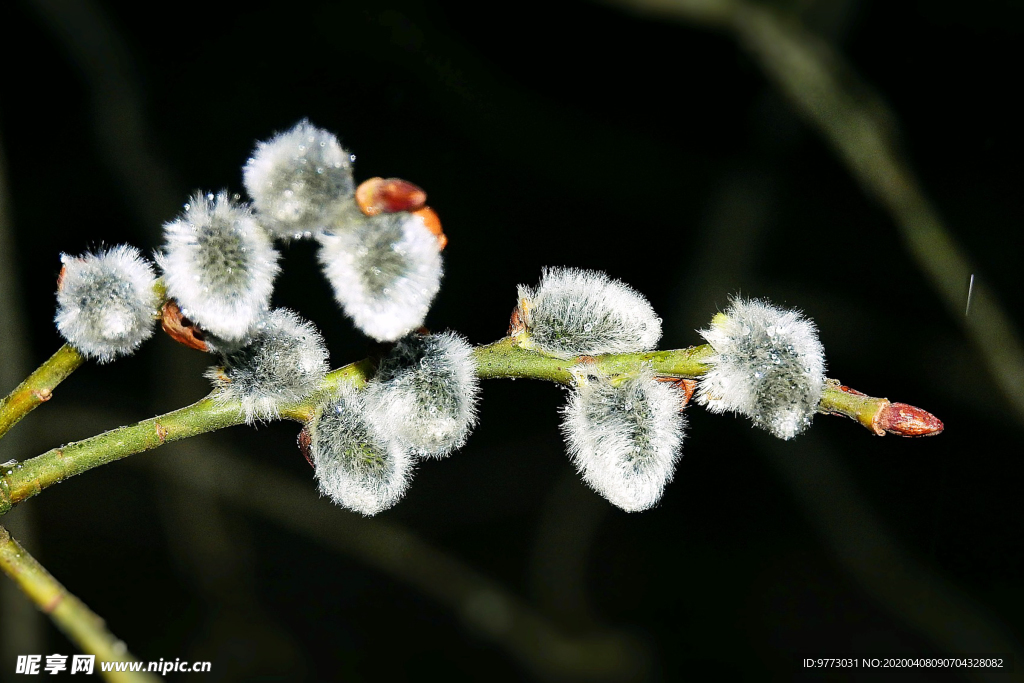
389 195
181 329
902 419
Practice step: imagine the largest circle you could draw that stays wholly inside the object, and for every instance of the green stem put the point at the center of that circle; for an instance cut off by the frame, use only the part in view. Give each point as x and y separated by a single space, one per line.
38 387
863 409
502 359
79 623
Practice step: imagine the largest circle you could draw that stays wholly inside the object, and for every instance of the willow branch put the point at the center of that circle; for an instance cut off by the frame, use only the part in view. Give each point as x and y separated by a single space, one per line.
38 387
79 623
502 359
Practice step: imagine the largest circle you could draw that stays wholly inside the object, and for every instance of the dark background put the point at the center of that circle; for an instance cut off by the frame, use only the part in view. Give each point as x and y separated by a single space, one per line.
545 133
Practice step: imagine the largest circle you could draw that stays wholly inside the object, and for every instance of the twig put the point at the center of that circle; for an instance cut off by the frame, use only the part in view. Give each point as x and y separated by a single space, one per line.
500 359
38 387
79 623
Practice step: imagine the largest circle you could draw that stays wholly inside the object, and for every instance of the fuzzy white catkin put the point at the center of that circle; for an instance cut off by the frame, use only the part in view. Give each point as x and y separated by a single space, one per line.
576 312
299 179
356 466
625 440
425 393
106 306
768 365
220 265
285 360
385 271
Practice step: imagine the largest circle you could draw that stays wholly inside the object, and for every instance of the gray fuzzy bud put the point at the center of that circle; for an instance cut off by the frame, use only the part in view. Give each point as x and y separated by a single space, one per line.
284 361
106 305
625 440
220 265
576 312
768 365
425 392
385 271
356 466
298 179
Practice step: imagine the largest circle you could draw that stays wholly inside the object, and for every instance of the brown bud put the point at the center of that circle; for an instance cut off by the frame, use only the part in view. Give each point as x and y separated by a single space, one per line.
305 443
687 386
60 277
906 420
517 324
181 329
389 195
432 223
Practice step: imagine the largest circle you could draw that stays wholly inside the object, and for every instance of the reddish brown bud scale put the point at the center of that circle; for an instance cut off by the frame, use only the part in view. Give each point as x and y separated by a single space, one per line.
906 420
389 195
432 223
181 329
517 324
305 442
60 277
687 386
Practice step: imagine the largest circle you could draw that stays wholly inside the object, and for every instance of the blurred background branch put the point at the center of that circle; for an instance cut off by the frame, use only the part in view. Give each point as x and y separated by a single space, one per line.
21 627
858 125
485 606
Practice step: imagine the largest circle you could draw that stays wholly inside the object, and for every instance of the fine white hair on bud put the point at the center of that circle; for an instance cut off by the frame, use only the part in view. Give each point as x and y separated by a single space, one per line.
385 271
284 361
576 312
426 391
298 179
768 365
106 304
220 265
359 467
625 439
